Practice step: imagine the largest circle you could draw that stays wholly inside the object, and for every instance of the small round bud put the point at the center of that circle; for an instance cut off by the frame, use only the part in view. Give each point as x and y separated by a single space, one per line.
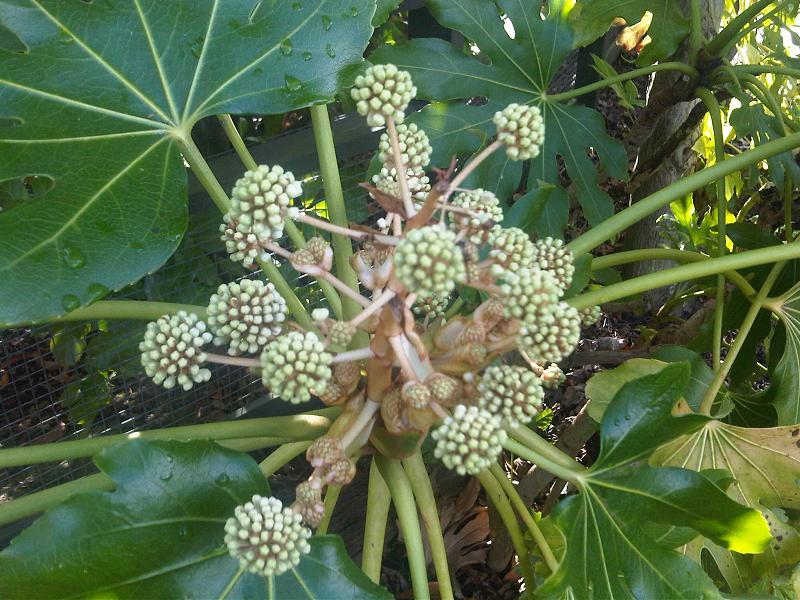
416 395
341 472
431 307
428 261
383 91
324 451
266 537
470 440
511 248
590 315
245 315
513 393
527 292
341 332
392 411
418 183
295 366
260 199
241 243
484 208
172 350
521 128
318 315
552 335
308 502
415 149
551 255
443 388
552 377
317 252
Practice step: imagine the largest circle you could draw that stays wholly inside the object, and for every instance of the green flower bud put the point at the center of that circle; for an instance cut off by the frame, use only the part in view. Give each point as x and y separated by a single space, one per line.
383 91
470 440
590 315
295 366
521 128
485 209
551 255
552 377
172 350
308 503
418 183
415 149
552 335
428 261
513 393
511 248
527 292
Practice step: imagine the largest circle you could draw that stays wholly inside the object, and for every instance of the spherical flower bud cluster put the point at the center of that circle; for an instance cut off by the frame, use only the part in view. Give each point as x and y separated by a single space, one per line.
324 451
415 149
260 199
341 472
552 335
383 91
551 255
172 350
295 366
552 377
521 128
341 332
317 251
590 315
245 315
241 247
527 293
511 248
418 183
484 208
442 387
428 261
308 502
513 393
266 537
470 440
431 307
416 395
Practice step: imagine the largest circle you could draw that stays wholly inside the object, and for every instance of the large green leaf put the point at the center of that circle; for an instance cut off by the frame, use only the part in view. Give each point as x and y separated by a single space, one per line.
516 70
160 535
591 18
101 103
609 554
786 374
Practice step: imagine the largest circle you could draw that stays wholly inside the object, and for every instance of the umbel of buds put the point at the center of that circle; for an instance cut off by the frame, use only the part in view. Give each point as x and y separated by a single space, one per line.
470 440
266 537
246 315
295 366
415 149
521 128
551 255
428 262
383 91
172 350
514 393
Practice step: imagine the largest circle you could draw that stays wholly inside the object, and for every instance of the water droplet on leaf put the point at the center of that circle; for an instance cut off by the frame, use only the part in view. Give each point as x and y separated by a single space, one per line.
353 11
293 84
222 479
296 5
286 47
70 302
73 257
330 51
197 46
307 56
97 290
327 22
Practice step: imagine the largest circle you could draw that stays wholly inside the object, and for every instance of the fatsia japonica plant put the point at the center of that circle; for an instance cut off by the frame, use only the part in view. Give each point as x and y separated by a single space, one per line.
444 323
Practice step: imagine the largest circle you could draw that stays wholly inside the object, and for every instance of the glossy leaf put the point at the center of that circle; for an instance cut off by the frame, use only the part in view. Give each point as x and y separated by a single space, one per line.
592 18
78 94
160 535
786 374
543 211
515 70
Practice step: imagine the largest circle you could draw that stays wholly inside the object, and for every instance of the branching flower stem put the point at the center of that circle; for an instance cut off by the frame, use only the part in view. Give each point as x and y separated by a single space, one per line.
303 217
379 302
340 285
400 168
470 167
527 517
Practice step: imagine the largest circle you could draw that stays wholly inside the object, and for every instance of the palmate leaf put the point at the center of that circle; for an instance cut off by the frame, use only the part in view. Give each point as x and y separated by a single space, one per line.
519 70
609 554
160 535
785 389
591 18
101 101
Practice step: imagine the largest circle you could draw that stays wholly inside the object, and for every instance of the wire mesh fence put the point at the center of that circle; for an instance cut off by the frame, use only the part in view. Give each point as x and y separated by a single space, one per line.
68 381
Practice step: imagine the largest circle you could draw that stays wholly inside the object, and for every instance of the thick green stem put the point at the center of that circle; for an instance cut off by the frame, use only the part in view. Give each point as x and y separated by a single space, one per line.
527 517
237 142
696 35
426 502
741 260
128 309
714 112
547 451
641 209
403 500
684 256
541 461
730 34
603 83
204 173
760 69
788 188
334 196
498 498
41 501
300 427
293 303
270 465
741 336
379 500
331 496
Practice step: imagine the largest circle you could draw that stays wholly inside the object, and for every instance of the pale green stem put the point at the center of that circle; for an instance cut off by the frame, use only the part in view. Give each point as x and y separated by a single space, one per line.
714 112
541 461
331 496
527 517
603 83
334 196
204 173
403 500
282 286
741 260
498 498
696 35
379 500
731 33
536 443
299 427
129 309
641 209
37 502
453 310
295 235
684 256
270 465
741 336
788 187
426 503
760 69
237 142
764 95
